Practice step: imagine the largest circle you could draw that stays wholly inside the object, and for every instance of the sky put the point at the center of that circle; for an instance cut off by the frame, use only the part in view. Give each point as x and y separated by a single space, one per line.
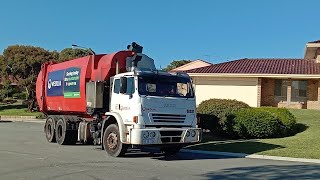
212 30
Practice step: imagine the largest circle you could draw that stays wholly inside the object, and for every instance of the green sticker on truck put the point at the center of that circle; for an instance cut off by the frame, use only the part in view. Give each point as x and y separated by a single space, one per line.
72 83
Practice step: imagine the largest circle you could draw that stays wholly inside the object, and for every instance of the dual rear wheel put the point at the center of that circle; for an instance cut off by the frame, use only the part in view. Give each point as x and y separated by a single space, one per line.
58 132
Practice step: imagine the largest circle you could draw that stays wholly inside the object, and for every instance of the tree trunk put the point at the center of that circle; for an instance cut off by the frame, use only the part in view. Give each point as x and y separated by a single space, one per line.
31 99
28 94
31 105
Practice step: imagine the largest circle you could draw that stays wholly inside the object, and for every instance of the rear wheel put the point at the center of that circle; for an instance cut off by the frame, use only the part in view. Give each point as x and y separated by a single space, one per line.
111 141
64 136
49 130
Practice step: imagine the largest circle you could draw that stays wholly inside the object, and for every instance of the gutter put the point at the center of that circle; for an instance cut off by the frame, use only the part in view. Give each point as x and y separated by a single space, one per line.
279 76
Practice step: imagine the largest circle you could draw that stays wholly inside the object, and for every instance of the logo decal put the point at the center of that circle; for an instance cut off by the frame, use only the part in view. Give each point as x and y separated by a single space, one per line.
49 84
53 83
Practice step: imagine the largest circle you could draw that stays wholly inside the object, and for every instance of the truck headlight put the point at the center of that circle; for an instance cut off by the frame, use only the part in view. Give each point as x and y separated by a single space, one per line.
193 133
188 133
152 134
145 134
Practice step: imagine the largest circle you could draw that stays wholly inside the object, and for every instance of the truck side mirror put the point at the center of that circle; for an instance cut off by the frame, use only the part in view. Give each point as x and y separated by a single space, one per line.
123 85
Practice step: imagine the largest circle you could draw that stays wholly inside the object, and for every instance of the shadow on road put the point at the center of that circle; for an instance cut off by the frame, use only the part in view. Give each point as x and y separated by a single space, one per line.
177 157
308 171
237 146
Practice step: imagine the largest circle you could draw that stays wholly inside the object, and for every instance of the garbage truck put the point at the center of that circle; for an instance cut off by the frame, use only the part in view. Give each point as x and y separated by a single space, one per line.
117 100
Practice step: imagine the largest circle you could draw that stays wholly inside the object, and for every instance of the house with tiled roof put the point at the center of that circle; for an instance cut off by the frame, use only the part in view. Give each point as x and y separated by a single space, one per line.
278 82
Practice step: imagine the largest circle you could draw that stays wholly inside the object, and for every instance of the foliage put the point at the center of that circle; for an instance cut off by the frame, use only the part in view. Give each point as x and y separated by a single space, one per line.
6 89
24 64
287 119
17 109
256 123
72 53
20 95
213 114
176 63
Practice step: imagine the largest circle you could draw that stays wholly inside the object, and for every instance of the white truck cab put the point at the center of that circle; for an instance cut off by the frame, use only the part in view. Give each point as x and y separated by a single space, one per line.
156 108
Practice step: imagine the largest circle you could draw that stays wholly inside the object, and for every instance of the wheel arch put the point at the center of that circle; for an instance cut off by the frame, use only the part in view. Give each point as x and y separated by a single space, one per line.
113 118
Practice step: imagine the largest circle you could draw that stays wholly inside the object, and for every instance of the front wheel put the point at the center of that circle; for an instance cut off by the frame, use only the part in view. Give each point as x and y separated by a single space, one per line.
111 141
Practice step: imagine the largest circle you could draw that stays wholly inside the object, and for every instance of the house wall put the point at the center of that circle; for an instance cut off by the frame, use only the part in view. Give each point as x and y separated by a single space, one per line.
311 102
267 92
312 94
241 89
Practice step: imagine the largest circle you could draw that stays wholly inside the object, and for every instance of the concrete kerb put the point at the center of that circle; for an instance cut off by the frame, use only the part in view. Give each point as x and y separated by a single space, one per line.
252 156
20 119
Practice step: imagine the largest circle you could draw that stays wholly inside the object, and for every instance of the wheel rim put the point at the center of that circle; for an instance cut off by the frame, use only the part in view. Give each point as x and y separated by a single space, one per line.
49 130
112 141
59 131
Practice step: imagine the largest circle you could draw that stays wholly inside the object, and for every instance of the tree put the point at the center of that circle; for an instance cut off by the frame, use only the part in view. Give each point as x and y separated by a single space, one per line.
176 63
23 63
6 87
72 53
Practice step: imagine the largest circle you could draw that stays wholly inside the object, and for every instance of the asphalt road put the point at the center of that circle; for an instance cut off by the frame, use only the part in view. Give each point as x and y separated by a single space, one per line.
25 154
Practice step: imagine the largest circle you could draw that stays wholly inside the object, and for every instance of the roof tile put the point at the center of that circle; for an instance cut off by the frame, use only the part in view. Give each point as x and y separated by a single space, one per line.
262 66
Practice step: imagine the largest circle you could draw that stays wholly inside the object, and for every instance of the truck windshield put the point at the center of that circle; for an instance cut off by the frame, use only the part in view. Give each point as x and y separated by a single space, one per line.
170 86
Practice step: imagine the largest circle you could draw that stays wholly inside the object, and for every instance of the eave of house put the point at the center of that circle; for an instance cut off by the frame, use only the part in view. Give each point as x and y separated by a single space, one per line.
278 76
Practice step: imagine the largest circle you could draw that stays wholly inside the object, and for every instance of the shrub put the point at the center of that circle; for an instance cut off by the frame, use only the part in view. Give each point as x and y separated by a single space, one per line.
210 122
287 119
256 123
41 116
213 114
20 95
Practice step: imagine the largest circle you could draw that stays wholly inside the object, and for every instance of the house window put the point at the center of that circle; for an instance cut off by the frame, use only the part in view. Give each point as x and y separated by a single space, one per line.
299 89
280 87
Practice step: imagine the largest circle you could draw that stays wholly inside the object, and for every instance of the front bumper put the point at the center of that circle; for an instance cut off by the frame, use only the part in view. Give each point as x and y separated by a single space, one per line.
157 136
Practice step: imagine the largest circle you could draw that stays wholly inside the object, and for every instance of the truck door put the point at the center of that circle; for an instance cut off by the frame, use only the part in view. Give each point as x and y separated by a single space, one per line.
124 102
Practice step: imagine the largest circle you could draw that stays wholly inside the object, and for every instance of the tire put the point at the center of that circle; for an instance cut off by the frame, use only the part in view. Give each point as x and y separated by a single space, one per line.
111 141
49 130
169 151
64 136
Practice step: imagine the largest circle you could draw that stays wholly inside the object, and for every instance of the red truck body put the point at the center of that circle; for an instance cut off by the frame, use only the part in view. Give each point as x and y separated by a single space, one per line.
61 87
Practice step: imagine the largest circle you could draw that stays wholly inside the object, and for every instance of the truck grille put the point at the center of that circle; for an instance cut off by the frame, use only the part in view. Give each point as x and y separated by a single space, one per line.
168 118
171 133
170 136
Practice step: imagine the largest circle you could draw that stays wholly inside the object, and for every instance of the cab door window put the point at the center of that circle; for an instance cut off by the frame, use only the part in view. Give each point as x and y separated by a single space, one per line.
116 86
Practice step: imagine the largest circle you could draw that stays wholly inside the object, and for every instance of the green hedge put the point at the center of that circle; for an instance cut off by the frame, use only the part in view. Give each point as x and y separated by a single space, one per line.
287 119
213 114
231 118
256 123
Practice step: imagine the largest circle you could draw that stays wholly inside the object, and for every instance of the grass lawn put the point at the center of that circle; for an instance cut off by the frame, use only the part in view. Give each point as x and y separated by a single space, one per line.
305 144
16 109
